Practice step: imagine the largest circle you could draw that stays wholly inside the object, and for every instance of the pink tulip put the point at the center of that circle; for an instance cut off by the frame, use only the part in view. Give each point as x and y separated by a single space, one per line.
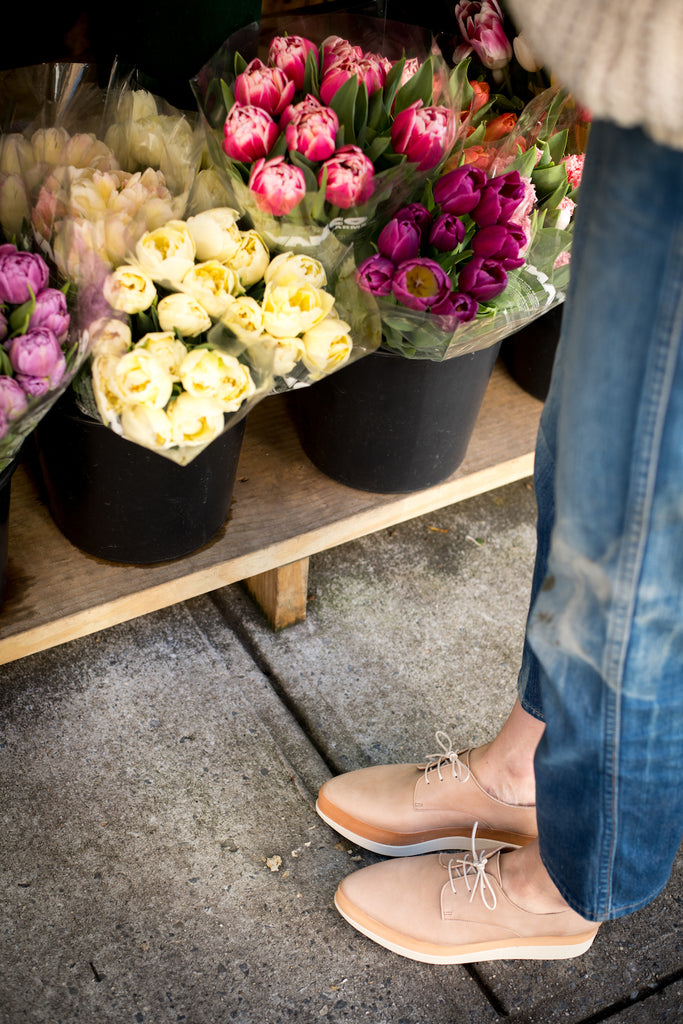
334 48
277 186
481 26
4 426
35 357
264 87
313 133
20 274
295 110
12 398
289 53
424 134
366 69
349 177
51 311
250 133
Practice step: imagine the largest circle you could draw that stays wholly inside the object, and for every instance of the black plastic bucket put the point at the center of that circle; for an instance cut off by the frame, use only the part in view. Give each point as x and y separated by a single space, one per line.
5 494
390 424
529 354
124 503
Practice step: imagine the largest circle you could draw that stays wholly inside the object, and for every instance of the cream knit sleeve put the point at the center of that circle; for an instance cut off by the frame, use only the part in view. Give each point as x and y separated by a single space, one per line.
623 59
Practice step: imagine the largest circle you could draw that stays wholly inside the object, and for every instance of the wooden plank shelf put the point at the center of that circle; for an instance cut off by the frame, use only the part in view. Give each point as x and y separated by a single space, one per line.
284 510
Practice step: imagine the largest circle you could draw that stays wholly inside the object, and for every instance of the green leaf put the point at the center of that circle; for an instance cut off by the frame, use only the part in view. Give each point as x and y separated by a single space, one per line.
240 64
344 103
360 118
547 179
318 204
311 83
557 145
392 85
228 96
375 110
5 365
459 84
279 147
377 147
555 198
308 168
419 87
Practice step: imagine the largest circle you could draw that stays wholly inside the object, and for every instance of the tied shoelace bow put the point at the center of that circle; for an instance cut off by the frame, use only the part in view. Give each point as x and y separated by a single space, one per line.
459 770
473 865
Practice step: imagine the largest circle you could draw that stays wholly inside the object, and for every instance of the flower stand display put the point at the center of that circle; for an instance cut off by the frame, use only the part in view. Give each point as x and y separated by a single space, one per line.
390 424
124 503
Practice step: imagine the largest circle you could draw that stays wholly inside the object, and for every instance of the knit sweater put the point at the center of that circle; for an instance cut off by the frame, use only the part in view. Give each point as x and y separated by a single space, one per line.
623 59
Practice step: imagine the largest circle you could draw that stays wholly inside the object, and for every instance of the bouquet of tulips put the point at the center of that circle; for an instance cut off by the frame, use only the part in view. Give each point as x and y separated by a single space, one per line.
324 125
40 347
203 323
481 254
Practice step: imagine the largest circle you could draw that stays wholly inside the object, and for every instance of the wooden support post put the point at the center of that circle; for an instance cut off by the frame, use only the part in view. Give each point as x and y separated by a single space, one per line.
281 593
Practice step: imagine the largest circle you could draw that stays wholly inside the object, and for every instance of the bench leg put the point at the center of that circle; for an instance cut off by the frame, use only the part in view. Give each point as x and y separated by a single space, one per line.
281 593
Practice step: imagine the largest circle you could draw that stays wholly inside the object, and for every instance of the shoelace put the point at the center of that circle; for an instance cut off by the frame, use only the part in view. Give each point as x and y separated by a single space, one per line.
449 756
473 864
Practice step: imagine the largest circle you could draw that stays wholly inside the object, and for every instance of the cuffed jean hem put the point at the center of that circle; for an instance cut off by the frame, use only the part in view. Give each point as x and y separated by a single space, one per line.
603 657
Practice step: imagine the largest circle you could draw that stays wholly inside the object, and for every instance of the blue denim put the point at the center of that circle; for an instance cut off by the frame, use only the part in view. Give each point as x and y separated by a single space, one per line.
603 659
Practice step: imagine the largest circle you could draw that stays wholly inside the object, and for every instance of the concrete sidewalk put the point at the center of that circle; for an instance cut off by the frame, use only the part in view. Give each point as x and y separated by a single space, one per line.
160 855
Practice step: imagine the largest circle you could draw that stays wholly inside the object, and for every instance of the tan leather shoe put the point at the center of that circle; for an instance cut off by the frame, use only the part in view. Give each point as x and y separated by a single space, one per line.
453 909
407 809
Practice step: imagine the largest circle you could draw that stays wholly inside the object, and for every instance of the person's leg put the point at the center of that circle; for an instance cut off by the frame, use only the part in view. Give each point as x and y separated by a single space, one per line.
604 642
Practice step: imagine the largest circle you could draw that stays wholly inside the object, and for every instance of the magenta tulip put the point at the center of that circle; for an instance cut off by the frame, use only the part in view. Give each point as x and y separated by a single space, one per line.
481 26
457 308
417 213
250 133
313 133
264 87
482 279
375 275
423 134
350 177
459 191
289 53
399 240
501 243
277 186
447 232
420 283
499 199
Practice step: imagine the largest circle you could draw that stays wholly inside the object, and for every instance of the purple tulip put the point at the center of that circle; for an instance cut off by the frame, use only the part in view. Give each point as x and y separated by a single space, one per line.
419 214
458 304
51 311
20 274
501 243
399 240
4 328
37 355
447 232
499 199
459 191
457 308
12 398
375 275
3 424
482 279
420 283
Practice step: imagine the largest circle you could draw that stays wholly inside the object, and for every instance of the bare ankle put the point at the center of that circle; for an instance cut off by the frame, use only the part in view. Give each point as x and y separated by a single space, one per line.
506 780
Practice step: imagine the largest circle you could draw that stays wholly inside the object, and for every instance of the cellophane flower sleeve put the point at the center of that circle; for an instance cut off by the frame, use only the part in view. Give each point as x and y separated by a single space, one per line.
542 157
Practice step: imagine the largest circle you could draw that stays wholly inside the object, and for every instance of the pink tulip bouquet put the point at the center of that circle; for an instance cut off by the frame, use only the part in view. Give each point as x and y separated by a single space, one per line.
40 347
481 254
319 132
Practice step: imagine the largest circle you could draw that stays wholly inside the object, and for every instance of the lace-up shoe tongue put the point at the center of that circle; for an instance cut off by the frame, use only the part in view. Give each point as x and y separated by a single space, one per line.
448 760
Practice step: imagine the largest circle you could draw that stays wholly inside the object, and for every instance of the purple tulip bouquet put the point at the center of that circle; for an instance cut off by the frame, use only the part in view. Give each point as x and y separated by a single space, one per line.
481 254
318 133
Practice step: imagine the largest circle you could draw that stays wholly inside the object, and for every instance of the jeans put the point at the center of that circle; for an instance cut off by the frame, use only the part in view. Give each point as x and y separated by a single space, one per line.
603 657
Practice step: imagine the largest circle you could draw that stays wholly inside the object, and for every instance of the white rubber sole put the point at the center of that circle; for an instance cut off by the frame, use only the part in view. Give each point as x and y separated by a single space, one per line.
463 842
541 949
